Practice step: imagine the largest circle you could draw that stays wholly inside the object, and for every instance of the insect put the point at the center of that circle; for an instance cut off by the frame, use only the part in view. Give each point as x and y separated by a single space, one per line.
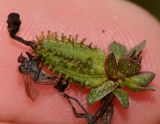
73 61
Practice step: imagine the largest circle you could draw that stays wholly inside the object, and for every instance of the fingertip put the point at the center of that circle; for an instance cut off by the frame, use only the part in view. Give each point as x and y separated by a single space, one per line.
101 22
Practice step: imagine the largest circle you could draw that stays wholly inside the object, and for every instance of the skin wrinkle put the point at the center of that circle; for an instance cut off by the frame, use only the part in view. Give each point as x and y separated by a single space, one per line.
103 14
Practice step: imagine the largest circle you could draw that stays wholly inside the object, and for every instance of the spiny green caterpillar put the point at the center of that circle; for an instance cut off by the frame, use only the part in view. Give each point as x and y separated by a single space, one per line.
76 61
73 61
84 65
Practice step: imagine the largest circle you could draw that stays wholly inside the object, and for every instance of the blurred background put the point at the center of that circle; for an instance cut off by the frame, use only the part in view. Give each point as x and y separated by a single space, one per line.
153 6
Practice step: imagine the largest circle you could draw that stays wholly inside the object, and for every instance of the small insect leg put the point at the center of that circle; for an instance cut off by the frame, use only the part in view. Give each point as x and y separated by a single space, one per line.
91 119
69 98
61 86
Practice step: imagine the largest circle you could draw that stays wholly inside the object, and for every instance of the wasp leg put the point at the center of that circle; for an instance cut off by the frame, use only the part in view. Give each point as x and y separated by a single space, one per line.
14 26
91 119
62 85
47 80
42 78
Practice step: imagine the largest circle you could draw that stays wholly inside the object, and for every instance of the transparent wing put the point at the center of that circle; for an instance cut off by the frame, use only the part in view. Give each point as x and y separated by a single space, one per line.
31 91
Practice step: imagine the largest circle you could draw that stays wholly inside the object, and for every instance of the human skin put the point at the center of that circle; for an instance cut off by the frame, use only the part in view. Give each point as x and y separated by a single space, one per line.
120 21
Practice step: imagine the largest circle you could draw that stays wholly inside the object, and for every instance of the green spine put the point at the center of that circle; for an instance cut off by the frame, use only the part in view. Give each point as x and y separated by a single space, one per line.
76 61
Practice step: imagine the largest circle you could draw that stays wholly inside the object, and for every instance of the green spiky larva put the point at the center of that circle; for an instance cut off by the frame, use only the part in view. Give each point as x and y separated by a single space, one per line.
76 61
89 67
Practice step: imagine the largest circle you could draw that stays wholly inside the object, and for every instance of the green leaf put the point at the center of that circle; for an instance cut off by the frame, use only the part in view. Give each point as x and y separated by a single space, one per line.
118 49
101 91
142 79
138 48
128 66
139 82
122 97
111 67
137 88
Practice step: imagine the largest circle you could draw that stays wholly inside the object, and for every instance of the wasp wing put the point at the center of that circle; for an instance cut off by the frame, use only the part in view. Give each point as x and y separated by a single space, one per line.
31 91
